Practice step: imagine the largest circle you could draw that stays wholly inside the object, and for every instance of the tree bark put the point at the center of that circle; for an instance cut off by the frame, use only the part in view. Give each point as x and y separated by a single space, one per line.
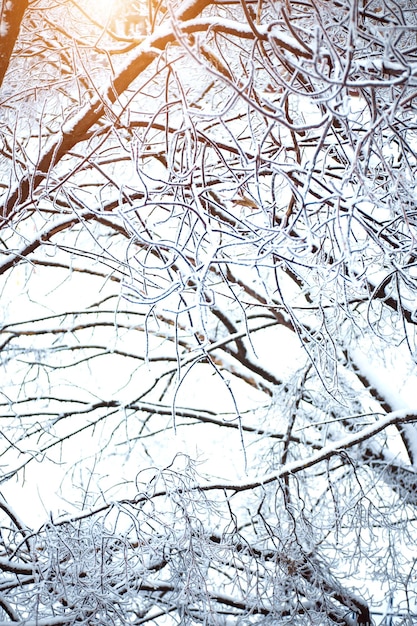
11 16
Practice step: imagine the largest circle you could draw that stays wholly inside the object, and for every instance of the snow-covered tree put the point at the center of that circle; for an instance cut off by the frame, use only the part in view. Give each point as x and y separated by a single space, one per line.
208 289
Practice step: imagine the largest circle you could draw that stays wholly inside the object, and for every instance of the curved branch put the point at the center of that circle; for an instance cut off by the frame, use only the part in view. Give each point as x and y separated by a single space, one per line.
75 128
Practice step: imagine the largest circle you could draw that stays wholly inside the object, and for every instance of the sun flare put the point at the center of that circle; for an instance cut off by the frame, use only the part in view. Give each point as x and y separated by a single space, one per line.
126 18
101 10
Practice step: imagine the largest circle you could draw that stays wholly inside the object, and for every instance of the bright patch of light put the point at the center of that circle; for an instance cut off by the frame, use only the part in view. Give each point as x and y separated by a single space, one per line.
101 10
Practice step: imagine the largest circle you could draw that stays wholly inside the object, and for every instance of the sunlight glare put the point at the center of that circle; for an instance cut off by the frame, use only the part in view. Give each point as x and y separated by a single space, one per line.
127 18
101 10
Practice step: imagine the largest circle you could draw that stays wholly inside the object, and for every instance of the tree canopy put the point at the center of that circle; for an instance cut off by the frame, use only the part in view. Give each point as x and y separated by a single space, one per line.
208 285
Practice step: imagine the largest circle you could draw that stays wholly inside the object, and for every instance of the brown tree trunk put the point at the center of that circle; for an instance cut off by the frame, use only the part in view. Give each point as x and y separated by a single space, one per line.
11 15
